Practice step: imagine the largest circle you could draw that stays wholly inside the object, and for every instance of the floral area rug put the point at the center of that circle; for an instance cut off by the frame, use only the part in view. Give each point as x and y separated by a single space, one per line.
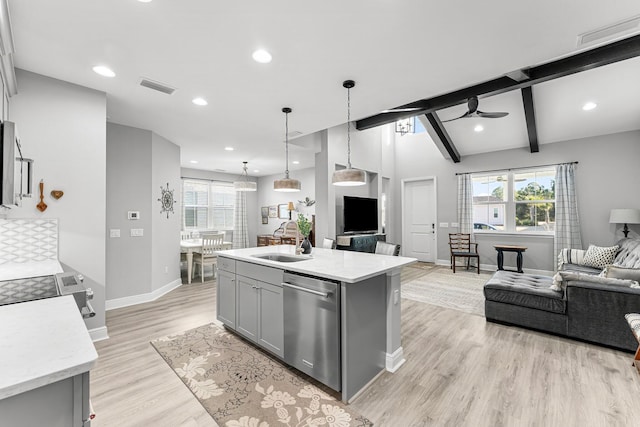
240 386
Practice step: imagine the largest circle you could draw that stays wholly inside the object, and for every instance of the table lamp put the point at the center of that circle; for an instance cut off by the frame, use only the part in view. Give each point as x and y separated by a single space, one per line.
291 208
625 216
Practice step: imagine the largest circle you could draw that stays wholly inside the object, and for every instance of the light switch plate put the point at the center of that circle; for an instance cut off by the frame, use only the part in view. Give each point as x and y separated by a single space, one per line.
137 232
444 225
114 232
455 224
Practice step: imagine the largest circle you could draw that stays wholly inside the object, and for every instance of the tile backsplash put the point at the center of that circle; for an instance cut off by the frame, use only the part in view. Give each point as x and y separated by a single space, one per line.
27 240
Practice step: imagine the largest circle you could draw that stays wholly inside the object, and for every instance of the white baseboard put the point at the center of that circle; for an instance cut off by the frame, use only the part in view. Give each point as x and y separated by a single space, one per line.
142 298
395 360
99 334
493 267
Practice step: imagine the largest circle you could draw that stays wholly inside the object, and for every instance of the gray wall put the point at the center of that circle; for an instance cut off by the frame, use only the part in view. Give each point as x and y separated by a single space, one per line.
139 162
267 196
128 187
606 179
165 229
62 127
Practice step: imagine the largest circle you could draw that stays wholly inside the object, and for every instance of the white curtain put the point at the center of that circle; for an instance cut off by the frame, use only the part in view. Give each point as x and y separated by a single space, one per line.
465 203
567 219
240 227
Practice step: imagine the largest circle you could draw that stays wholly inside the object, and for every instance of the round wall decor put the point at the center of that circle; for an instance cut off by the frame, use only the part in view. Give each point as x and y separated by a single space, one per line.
166 200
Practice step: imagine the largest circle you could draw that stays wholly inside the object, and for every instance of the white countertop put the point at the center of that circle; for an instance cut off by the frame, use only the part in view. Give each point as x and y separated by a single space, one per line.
20 270
346 266
42 342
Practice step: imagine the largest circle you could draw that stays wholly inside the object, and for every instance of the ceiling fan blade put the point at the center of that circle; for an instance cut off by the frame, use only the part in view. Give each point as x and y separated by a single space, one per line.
495 115
401 110
467 114
472 103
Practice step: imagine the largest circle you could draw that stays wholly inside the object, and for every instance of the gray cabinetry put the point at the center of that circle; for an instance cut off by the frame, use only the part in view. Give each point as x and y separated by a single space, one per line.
257 304
226 298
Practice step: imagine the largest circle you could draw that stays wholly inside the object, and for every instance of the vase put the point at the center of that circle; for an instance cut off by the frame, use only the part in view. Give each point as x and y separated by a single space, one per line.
306 246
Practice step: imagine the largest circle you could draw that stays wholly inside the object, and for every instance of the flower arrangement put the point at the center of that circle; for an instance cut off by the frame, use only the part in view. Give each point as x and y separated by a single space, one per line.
304 225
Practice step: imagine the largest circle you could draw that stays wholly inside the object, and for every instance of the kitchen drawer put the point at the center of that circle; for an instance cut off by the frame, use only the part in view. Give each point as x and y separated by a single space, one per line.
227 264
259 272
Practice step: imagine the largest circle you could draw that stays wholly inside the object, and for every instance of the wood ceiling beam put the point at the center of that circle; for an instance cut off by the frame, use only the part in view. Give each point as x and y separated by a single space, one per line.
444 137
530 117
608 54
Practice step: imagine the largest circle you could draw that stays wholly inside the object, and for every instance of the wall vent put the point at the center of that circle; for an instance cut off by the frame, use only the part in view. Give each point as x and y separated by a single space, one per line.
160 87
609 32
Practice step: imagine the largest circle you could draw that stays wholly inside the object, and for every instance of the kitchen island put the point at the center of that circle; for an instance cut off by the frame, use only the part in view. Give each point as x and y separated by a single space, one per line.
252 300
45 357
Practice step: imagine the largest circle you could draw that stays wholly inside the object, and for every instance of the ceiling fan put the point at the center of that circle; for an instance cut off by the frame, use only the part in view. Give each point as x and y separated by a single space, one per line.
472 111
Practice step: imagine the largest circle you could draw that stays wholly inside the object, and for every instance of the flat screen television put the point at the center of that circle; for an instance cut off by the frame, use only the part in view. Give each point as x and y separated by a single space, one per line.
360 215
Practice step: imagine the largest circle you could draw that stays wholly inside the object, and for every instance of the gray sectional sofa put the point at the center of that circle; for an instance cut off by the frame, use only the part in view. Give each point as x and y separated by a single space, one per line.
586 307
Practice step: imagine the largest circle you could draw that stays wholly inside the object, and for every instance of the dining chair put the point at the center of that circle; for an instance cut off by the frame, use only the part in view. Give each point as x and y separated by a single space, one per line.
208 255
328 243
460 245
384 248
185 235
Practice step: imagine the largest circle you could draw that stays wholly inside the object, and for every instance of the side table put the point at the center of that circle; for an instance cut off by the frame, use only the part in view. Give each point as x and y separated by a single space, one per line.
510 248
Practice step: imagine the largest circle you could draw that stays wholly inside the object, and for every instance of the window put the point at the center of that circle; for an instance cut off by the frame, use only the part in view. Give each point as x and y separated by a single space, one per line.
207 205
520 201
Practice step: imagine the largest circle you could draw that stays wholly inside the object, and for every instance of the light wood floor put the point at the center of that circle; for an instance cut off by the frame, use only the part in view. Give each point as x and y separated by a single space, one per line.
460 371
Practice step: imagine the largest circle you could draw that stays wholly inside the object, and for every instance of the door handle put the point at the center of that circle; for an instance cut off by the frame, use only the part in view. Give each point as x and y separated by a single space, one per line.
310 291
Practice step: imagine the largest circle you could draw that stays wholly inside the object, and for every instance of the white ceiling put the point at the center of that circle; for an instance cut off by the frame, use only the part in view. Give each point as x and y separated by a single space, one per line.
396 51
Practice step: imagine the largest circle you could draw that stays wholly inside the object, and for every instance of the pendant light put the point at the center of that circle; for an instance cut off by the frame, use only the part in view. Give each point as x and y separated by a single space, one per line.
243 183
349 177
286 184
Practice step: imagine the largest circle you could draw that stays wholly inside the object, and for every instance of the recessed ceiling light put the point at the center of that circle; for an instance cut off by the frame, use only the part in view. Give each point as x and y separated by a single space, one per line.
478 128
295 162
589 106
261 56
145 1
228 148
256 170
193 161
199 101
104 71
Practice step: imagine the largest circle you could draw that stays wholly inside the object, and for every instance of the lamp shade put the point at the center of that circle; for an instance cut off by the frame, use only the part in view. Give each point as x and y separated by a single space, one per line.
624 216
286 184
291 207
349 177
245 186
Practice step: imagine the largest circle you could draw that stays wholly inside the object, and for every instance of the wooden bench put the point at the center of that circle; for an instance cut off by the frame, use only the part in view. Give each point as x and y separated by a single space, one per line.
633 319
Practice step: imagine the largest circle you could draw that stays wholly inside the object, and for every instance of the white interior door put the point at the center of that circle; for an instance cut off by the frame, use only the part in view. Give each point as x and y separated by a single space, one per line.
419 218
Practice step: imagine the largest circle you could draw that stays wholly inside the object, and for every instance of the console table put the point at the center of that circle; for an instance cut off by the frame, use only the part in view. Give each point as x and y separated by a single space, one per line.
510 248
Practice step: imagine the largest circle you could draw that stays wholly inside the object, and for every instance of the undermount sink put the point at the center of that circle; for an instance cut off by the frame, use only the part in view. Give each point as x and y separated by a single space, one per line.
280 257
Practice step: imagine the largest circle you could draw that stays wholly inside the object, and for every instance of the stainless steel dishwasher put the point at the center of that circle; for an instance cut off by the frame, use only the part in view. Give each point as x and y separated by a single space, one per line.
312 327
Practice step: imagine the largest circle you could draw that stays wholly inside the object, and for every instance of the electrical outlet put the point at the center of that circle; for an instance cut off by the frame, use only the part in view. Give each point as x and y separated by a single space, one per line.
166 269
114 232
396 297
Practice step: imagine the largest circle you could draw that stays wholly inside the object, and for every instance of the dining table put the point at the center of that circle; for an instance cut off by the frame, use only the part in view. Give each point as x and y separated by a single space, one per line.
189 246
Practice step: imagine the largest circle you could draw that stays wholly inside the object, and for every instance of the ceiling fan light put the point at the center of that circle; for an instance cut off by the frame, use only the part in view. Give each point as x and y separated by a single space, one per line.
286 185
349 177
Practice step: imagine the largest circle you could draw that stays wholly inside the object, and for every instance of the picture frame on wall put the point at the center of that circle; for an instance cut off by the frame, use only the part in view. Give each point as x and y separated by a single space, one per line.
273 212
283 211
265 220
264 212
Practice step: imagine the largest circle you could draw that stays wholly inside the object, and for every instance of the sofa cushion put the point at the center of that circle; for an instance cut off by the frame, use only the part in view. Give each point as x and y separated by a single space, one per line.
617 272
599 257
629 254
634 323
570 256
580 269
525 290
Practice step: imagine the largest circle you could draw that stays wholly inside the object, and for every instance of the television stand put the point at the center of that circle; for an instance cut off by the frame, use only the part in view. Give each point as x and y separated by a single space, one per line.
359 242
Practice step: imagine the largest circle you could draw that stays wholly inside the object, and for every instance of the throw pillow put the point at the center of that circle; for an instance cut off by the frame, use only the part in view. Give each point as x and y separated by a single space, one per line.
562 277
600 257
617 272
570 256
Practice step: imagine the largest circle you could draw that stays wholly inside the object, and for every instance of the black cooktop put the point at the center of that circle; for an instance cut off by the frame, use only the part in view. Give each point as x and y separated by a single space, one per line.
27 289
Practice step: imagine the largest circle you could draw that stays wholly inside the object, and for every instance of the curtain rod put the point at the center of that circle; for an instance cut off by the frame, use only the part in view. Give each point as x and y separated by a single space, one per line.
206 179
520 168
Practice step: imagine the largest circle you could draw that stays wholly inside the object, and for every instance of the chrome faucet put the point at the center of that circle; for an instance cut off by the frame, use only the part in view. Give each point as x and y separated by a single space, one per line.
298 249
